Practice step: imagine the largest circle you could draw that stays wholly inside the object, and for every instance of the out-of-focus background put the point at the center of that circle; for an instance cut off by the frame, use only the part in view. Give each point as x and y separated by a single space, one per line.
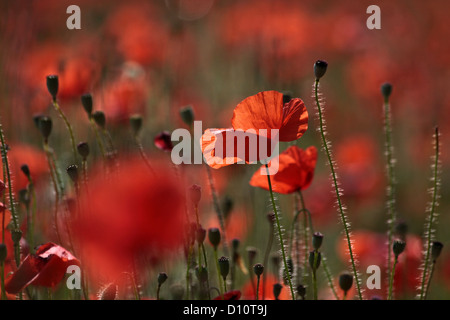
155 57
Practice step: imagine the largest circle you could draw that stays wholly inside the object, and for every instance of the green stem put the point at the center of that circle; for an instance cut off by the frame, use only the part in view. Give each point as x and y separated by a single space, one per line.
429 280
314 275
391 279
280 235
69 128
431 216
257 287
157 291
336 187
218 272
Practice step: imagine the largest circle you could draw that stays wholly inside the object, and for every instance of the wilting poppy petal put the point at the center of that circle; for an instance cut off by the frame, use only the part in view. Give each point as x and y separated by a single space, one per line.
266 110
46 268
295 171
230 295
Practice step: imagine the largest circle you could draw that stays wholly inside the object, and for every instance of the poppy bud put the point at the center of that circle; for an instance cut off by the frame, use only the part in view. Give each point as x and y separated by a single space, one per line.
163 141
187 115
72 171
83 150
195 193
345 281
227 206
436 248
136 123
398 247
386 90
202 274
162 277
251 254
109 292
52 85
16 235
317 240
26 171
3 252
277 290
311 260
99 118
258 269
214 237
24 197
320 67
301 291
177 291
45 126
200 235
224 266
86 101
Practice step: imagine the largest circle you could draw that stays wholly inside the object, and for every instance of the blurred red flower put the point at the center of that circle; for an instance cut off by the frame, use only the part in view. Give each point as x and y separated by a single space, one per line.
295 171
249 294
230 295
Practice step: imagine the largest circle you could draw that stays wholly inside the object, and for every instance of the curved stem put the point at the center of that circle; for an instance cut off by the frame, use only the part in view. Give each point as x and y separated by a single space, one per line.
336 187
280 235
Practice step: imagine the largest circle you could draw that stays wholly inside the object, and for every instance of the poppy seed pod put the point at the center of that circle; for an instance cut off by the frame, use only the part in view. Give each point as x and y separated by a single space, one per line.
398 247
277 290
136 123
162 277
345 281
99 118
45 126
258 269
72 171
214 237
86 101
200 235
187 115
3 252
224 266
311 260
16 235
109 292
317 240
320 67
83 150
386 90
301 291
195 194
52 85
26 171
436 248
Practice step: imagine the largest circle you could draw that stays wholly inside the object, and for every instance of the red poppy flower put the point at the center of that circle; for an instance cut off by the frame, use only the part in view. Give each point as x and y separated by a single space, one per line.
253 120
230 295
295 171
46 268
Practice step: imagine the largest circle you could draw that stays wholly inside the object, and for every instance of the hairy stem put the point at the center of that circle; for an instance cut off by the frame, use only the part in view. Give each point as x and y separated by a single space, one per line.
69 128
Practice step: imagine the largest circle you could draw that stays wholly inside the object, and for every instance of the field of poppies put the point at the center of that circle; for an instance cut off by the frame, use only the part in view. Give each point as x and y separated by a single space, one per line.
120 180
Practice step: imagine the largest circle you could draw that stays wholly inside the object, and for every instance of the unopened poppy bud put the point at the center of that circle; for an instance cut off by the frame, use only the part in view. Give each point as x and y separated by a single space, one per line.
277 290
162 277
83 150
312 258
258 269
436 248
109 292
72 171
195 193
271 217
202 274
320 67
398 247
99 118
3 252
24 197
26 170
177 291
214 237
16 235
200 235
224 266
136 124
301 291
163 141
86 101
345 281
45 126
317 240
227 206
187 115
52 85
251 254
386 90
